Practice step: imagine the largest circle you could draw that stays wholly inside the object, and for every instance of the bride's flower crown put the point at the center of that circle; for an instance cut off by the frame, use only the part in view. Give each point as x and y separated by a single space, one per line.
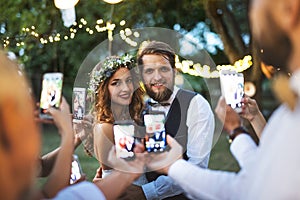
107 68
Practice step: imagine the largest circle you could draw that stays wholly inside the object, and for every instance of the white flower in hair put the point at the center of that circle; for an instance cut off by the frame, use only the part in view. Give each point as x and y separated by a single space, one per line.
105 69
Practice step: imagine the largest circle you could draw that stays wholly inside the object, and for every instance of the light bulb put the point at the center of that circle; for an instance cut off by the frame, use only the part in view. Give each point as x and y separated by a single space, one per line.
112 1
65 4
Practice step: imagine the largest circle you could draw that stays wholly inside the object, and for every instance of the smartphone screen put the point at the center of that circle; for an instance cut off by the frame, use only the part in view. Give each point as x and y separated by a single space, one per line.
232 86
51 92
155 138
124 139
76 170
78 104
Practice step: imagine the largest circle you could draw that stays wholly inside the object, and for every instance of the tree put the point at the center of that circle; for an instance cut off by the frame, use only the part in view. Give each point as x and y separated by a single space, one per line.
230 20
227 18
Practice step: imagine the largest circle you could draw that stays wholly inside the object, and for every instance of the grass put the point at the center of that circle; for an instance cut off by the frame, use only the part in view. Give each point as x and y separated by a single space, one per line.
51 140
220 158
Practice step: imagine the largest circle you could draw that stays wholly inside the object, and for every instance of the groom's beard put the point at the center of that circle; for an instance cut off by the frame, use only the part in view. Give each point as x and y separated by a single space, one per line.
159 96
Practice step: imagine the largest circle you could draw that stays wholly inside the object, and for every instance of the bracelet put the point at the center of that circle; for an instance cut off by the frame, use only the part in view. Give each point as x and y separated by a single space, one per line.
237 131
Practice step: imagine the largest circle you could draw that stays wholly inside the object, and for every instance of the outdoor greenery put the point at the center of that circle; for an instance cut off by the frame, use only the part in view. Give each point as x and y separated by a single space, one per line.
220 159
67 55
225 19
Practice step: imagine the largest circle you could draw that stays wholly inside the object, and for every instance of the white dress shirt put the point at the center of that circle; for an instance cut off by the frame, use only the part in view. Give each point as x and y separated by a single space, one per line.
268 171
200 123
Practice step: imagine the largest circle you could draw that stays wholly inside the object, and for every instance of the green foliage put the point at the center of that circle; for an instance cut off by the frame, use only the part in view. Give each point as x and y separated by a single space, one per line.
51 140
67 56
239 9
198 85
220 157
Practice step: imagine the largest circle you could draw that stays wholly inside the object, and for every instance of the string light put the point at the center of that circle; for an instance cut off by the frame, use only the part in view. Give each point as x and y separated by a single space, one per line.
128 36
122 22
196 69
99 27
124 34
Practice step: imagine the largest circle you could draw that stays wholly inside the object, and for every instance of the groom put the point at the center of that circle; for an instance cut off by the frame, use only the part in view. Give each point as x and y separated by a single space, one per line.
189 117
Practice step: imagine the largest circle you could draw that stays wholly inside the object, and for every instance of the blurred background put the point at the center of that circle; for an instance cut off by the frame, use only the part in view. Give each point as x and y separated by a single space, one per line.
46 36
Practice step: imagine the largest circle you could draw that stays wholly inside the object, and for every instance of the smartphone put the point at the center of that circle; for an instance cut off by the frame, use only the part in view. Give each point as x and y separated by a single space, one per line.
155 138
124 132
51 92
232 87
79 95
76 170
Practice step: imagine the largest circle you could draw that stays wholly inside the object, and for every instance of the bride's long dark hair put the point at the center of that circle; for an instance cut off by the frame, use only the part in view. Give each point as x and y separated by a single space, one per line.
102 104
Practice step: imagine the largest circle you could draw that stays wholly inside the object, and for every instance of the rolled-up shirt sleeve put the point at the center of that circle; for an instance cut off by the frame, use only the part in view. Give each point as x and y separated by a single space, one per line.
161 188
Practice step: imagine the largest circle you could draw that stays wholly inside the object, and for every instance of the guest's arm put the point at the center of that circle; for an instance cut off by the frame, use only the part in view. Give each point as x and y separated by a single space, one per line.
252 113
60 174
